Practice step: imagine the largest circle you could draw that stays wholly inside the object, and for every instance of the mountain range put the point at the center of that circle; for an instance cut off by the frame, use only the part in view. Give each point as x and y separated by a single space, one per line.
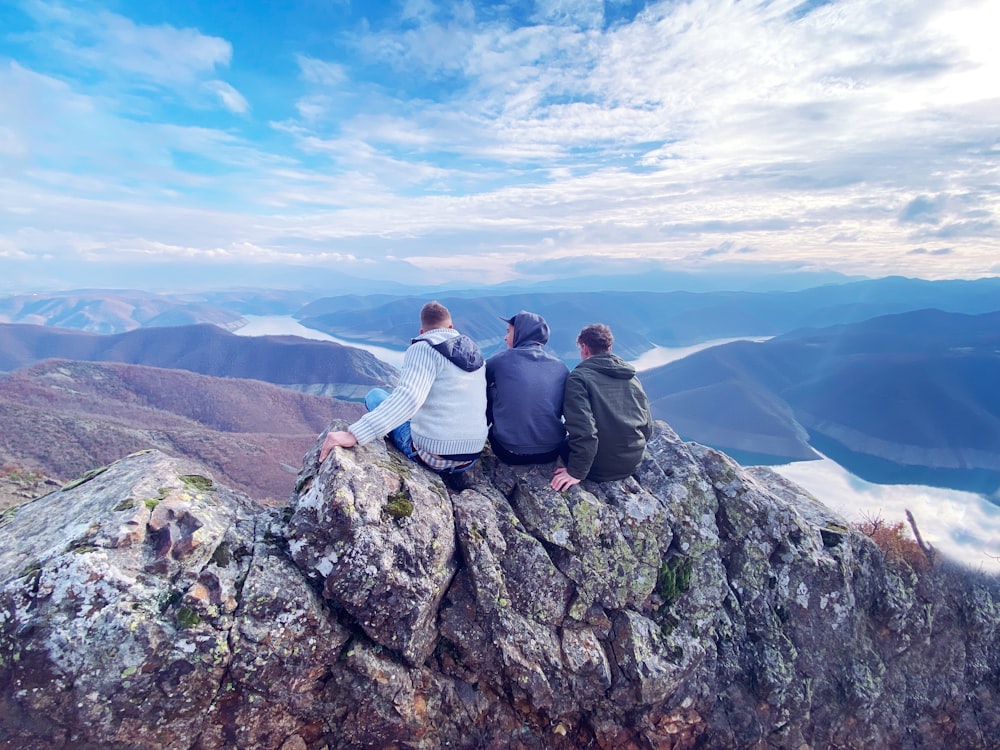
63 418
882 397
892 378
642 320
112 311
685 310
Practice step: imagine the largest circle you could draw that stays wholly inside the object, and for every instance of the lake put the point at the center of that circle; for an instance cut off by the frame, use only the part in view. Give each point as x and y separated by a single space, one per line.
285 325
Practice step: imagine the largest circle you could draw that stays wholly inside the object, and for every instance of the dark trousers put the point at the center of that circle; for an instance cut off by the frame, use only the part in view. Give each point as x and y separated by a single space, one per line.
520 459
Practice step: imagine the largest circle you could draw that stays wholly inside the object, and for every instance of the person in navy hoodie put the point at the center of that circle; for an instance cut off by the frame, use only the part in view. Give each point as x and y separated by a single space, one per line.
524 394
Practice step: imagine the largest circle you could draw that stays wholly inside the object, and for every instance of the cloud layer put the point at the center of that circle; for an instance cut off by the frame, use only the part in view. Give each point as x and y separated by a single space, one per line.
472 141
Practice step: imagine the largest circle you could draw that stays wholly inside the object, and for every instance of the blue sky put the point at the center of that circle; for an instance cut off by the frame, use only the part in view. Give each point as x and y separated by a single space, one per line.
483 142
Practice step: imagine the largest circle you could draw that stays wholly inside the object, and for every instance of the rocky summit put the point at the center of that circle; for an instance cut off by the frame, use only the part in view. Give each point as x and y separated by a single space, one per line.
697 604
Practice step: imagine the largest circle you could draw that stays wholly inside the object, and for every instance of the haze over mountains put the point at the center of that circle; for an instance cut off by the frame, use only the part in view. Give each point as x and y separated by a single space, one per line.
641 320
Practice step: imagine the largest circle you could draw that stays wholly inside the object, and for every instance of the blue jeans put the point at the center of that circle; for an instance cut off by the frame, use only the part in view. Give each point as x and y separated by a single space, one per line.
401 435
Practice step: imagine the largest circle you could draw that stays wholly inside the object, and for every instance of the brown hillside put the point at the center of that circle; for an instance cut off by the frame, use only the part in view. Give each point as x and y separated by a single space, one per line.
19 486
62 418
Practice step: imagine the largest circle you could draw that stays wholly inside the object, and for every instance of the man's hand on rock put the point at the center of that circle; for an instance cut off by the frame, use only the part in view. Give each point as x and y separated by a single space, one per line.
333 440
562 480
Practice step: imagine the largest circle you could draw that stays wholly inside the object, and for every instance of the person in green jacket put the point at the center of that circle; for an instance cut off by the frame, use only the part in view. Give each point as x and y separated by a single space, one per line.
606 413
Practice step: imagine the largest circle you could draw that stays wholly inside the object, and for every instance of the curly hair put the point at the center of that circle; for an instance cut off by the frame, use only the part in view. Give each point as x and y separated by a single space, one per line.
597 338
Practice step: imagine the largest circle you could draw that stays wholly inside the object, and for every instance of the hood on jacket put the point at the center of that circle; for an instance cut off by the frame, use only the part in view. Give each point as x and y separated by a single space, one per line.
609 364
529 328
458 349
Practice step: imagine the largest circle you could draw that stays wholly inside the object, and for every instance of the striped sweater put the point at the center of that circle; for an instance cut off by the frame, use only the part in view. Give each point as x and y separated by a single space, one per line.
446 406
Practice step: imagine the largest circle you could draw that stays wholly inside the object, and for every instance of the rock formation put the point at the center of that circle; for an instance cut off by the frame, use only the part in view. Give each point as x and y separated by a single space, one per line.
695 605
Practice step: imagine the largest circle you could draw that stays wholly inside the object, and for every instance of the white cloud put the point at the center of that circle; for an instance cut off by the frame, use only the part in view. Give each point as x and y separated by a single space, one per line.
231 99
158 53
962 525
122 50
583 13
112 42
321 72
11 143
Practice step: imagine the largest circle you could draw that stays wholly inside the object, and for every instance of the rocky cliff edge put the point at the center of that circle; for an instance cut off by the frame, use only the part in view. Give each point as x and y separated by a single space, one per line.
696 605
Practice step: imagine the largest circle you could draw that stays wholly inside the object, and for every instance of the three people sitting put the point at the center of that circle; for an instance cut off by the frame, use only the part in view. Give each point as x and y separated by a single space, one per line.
534 410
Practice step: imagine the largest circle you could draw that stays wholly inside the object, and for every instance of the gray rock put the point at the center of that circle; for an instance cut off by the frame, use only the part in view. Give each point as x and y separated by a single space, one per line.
378 534
696 604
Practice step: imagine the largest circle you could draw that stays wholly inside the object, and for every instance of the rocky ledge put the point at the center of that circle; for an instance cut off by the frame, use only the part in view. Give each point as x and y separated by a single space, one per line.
696 605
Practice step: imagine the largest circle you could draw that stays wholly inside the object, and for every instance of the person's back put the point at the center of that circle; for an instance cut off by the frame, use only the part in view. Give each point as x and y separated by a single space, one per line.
448 421
436 414
620 415
525 394
606 412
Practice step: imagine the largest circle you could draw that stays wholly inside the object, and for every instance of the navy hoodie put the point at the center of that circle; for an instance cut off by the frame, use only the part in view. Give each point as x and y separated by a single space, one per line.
524 390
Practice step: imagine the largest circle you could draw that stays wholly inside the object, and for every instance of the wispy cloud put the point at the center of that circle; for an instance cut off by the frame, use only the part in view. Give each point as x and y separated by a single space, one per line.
106 40
231 99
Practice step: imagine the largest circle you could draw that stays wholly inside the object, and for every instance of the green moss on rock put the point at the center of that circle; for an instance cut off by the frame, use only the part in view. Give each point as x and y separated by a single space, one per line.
187 618
674 579
399 504
86 477
197 482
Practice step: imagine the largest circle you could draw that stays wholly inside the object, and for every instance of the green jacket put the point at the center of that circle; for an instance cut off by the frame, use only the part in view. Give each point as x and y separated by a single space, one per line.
607 418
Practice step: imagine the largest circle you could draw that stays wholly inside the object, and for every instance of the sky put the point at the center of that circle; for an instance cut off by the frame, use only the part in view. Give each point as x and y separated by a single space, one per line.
484 142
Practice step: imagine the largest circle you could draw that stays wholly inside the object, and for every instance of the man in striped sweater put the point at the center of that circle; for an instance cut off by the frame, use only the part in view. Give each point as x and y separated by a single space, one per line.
436 414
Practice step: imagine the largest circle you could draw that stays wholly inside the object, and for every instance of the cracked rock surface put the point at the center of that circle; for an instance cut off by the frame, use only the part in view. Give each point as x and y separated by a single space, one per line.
697 604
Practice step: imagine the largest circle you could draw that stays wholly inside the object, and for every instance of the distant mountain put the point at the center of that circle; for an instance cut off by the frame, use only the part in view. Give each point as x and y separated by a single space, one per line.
641 319
112 311
910 395
252 301
63 418
643 308
630 276
119 310
320 367
348 303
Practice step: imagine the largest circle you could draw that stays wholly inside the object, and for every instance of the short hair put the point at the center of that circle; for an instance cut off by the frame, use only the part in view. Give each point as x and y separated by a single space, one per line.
597 337
434 315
